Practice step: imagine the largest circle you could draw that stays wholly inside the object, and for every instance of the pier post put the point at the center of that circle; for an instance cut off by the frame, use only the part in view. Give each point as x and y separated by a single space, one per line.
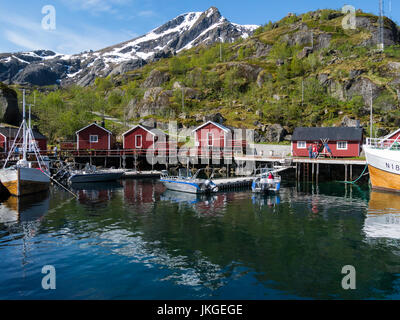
345 172
351 172
317 172
313 172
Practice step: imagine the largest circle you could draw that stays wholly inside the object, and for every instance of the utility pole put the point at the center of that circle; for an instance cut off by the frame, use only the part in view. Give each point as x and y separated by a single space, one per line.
312 39
220 49
302 91
381 44
183 99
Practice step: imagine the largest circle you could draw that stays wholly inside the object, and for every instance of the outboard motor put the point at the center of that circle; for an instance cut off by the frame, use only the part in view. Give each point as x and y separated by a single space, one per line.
211 186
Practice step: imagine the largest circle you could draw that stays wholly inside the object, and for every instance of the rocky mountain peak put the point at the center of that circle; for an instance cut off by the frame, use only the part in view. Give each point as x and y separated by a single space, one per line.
44 67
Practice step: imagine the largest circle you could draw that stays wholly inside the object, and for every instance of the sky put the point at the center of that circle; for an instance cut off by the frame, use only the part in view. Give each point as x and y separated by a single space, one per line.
82 25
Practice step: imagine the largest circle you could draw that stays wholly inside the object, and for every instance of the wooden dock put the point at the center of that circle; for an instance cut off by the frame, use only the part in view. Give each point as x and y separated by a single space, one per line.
133 174
233 183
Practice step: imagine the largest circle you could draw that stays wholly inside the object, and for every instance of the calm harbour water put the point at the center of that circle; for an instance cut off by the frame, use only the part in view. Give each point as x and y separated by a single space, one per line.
134 240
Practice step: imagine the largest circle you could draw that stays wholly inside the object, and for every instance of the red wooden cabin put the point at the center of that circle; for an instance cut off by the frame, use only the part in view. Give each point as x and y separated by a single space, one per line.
212 136
8 134
94 137
342 141
142 138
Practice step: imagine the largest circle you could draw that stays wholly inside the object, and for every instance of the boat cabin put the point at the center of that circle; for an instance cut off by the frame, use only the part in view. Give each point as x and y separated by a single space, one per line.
340 142
8 134
94 137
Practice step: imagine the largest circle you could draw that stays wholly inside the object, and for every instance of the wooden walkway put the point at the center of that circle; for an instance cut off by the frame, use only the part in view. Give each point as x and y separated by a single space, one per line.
233 183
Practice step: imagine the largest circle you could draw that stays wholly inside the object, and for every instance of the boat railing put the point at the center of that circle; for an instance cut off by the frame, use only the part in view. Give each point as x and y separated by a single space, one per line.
382 143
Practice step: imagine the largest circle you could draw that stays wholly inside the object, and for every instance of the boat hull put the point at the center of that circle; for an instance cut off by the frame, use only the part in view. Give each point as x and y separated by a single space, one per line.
95 177
181 186
24 181
384 169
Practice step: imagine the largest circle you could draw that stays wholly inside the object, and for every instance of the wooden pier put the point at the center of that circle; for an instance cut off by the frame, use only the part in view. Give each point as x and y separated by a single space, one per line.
233 183
133 174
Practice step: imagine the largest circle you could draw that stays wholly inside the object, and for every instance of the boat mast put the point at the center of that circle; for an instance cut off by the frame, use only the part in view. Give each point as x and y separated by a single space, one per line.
23 127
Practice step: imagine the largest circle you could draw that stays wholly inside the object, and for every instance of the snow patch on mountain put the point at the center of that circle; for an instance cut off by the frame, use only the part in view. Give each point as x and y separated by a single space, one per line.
44 67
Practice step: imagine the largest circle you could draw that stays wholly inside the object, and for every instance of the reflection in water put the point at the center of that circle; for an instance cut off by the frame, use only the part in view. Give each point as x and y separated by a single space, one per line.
383 219
159 244
28 208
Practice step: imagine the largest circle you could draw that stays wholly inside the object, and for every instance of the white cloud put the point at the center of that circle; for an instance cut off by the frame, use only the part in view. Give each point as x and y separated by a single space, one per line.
96 6
29 35
147 13
22 41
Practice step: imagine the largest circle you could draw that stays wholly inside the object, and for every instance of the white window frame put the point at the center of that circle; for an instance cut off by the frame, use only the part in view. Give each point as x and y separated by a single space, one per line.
208 139
141 141
301 142
92 136
342 148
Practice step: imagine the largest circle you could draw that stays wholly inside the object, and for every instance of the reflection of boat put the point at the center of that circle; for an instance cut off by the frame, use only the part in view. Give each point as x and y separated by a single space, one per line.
28 175
111 185
383 158
95 192
92 174
267 181
264 200
185 182
183 197
28 208
383 219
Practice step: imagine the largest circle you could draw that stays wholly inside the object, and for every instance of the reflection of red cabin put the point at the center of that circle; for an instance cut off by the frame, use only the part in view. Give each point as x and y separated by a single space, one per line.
94 137
142 138
8 134
139 191
343 141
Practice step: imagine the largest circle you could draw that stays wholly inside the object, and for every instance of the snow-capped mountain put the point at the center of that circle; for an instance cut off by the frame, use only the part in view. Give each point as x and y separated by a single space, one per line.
188 30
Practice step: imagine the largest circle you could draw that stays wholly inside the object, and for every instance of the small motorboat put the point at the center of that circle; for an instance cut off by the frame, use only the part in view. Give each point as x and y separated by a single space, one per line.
92 174
185 182
266 182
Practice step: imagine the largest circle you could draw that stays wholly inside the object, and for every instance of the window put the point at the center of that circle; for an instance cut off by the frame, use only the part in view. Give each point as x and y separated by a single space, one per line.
301 144
341 145
94 139
210 140
138 141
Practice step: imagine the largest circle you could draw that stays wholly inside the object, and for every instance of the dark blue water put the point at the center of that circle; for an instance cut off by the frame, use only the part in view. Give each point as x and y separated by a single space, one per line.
134 240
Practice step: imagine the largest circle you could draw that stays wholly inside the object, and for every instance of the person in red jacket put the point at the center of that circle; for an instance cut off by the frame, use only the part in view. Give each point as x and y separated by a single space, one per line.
315 151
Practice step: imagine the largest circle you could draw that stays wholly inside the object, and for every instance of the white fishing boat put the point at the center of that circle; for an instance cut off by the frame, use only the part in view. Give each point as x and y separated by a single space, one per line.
266 181
28 175
185 182
383 159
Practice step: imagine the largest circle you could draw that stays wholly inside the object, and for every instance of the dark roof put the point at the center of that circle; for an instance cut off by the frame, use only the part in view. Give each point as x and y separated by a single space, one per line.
331 133
10 133
150 129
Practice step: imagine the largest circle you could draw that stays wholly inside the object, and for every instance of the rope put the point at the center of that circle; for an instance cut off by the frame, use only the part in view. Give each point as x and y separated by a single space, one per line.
355 181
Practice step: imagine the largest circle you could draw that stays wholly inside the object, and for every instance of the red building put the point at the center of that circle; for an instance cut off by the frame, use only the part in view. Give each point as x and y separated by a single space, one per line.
212 135
94 137
8 134
342 141
142 138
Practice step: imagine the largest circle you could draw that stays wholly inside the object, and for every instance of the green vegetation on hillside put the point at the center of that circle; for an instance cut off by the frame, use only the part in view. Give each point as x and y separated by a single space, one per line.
267 78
